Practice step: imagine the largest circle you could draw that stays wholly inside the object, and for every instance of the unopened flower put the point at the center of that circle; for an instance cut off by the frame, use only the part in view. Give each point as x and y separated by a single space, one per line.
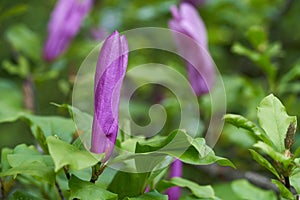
66 19
200 66
110 72
175 171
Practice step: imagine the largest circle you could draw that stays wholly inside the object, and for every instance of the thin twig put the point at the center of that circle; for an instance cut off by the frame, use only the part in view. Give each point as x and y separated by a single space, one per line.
59 191
230 174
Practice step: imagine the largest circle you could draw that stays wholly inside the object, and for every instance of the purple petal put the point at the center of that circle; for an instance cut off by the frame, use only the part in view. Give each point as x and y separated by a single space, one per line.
175 171
64 24
110 71
200 66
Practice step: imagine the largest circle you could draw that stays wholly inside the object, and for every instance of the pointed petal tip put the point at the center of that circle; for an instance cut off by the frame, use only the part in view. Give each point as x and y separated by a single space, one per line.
175 12
115 33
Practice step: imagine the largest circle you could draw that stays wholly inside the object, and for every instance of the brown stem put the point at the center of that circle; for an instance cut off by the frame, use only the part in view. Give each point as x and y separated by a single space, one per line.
29 94
66 170
59 191
287 183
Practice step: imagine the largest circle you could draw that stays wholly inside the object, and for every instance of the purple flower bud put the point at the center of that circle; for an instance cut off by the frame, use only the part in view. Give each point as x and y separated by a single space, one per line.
110 72
200 66
66 19
175 171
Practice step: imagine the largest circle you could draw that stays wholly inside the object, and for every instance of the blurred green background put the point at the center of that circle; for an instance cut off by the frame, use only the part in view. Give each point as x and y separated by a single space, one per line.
254 43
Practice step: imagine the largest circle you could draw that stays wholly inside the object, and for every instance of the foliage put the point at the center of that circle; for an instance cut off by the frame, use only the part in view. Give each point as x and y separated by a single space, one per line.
44 155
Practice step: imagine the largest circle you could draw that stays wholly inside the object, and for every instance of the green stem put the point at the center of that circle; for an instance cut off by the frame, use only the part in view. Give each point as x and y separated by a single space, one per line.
97 171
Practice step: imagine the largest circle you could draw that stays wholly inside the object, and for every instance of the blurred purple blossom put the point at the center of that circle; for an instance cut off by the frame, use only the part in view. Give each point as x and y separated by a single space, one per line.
175 171
65 21
110 72
200 66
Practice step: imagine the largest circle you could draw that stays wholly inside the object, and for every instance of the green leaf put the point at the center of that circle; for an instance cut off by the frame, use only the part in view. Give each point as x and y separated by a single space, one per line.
25 160
244 190
295 180
37 169
82 119
149 196
27 154
177 144
264 162
241 122
197 190
86 191
25 40
64 153
273 154
18 195
201 154
284 192
127 184
62 127
274 120
258 37
225 191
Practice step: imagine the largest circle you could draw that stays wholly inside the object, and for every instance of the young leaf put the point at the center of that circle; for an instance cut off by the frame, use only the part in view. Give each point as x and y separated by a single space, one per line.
264 162
197 190
245 190
284 192
86 191
273 154
275 121
241 122
258 37
64 153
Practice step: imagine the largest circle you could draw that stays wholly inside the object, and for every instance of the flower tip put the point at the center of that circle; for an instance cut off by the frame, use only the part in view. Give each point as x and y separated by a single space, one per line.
175 12
115 33
48 58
